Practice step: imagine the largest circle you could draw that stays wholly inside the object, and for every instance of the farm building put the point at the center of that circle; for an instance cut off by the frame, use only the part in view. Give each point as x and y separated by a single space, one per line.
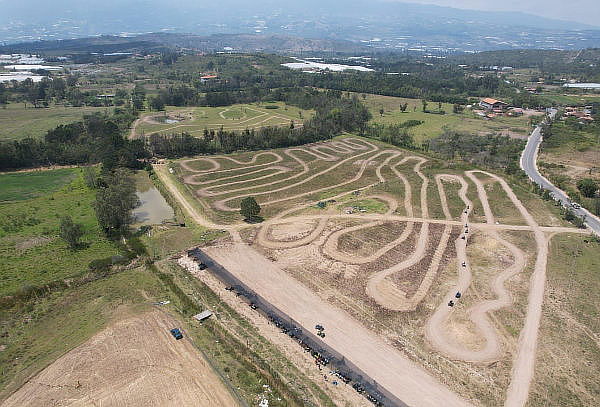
208 78
203 315
493 104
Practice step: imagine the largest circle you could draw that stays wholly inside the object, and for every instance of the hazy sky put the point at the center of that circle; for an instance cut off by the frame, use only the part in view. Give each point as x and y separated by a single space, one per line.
585 11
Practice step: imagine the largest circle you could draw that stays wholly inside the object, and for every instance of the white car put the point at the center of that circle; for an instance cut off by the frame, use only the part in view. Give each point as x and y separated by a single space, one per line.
576 206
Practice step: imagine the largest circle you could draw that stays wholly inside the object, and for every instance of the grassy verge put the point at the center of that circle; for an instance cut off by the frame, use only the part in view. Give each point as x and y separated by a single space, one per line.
236 348
568 359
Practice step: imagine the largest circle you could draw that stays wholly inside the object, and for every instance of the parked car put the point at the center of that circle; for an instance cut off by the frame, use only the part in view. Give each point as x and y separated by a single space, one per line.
176 333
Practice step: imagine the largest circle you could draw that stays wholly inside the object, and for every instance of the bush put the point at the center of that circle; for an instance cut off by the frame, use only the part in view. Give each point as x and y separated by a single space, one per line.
587 187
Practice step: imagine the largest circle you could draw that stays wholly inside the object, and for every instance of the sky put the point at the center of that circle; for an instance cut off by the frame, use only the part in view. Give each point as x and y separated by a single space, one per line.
583 11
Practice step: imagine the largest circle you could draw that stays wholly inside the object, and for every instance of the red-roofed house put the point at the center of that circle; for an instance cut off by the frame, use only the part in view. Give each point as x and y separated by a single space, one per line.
208 78
493 104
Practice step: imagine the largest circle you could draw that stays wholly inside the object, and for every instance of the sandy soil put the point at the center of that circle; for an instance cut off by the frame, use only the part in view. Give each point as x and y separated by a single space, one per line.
380 360
311 237
134 362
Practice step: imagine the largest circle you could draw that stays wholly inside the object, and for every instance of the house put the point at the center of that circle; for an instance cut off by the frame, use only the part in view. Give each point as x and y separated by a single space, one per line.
208 78
516 111
493 104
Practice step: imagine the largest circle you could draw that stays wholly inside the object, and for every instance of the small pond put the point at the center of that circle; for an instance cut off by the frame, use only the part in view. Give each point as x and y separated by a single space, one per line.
153 209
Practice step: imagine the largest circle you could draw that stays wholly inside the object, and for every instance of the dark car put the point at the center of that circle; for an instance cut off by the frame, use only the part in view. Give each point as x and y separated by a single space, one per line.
176 333
202 266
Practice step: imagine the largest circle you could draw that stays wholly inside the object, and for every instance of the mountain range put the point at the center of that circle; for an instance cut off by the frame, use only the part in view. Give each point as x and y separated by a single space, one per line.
375 24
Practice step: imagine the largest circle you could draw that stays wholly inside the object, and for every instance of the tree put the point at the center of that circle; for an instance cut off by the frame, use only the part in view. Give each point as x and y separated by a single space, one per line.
70 232
403 107
249 208
90 176
115 201
156 103
138 96
457 108
424 105
587 187
381 111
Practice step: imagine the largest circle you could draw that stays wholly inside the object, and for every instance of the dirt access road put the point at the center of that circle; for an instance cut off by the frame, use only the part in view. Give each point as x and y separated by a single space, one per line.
134 362
380 360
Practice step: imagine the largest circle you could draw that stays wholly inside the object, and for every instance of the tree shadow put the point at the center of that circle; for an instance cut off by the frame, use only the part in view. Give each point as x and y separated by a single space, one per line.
254 220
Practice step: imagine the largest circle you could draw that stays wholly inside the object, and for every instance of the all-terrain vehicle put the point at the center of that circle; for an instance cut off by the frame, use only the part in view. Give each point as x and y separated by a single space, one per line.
451 303
176 333
458 294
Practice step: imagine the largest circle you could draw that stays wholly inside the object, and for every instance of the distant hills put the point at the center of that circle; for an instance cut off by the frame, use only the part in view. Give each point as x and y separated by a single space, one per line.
164 41
373 24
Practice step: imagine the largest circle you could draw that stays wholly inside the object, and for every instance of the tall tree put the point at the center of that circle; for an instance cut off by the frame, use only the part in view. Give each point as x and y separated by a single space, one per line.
70 232
115 201
587 187
249 208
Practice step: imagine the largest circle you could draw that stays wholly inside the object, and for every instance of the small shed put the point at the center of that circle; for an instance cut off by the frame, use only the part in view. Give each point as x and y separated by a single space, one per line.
203 315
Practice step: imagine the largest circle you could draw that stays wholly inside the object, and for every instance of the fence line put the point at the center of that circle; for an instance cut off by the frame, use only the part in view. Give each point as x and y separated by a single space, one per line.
324 355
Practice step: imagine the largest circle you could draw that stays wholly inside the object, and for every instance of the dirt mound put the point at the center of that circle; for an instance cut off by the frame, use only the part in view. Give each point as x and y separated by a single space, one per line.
134 362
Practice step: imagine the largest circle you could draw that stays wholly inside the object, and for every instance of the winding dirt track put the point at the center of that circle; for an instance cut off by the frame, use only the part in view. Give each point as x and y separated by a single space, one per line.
379 285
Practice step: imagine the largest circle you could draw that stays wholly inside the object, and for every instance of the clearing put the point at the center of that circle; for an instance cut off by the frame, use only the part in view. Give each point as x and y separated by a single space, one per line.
136 350
434 124
31 252
18 122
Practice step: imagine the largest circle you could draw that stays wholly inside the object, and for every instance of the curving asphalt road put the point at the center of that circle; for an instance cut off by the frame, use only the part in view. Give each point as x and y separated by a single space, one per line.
529 165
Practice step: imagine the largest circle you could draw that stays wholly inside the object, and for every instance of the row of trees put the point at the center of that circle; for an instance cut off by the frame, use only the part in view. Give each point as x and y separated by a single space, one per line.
98 138
66 90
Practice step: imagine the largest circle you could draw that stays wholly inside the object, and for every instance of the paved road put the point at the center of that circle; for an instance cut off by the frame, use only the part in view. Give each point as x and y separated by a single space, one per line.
529 165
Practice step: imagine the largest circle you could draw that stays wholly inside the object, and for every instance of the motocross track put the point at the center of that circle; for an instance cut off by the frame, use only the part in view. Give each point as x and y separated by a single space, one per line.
291 189
261 119
133 362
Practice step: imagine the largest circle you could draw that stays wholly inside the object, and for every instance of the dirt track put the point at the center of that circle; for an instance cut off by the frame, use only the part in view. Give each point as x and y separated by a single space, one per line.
279 287
380 360
134 362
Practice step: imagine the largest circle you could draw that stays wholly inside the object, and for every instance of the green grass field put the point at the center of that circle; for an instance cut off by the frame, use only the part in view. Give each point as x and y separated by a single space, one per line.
194 120
31 253
434 124
13 187
568 352
18 122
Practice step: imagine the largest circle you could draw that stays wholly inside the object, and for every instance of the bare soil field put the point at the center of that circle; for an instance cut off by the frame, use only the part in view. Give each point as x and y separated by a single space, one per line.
134 362
350 235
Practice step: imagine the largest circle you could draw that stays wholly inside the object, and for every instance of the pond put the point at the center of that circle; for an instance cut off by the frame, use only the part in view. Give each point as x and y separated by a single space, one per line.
153 209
